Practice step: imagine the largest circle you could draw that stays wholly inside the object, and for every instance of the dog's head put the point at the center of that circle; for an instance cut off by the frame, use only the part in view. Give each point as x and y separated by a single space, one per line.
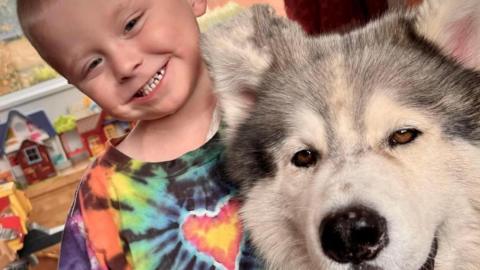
355 151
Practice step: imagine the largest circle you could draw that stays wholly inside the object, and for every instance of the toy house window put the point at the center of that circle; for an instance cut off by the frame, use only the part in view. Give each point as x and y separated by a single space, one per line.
32 154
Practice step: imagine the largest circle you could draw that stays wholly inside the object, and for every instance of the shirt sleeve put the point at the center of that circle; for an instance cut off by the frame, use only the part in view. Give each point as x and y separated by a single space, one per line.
74 252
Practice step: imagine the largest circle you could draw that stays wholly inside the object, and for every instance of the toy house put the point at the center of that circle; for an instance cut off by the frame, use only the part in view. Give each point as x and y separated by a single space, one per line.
34 160
66 128
114 128
95 129
30 148
91 132
87 128
74 147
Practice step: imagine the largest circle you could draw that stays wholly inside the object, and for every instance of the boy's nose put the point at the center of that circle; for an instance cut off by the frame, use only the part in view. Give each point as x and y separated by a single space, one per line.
129 72
126 65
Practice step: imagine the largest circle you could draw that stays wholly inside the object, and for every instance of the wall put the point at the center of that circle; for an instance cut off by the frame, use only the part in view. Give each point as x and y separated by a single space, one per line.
53 97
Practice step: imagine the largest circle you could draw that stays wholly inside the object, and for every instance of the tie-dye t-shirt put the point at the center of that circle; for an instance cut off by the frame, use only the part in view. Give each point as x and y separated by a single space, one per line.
179 214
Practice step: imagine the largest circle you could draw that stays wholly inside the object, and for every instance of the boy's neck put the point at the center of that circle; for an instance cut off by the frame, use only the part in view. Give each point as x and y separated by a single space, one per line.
174 135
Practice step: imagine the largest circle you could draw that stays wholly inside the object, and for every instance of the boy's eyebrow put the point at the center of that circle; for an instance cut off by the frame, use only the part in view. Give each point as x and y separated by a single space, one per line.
122 4
72 65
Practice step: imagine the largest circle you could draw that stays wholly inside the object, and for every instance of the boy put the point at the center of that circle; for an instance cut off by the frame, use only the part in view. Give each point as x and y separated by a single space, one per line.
155 199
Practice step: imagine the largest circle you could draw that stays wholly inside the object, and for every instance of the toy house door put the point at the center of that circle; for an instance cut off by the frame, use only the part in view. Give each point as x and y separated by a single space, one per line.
35 162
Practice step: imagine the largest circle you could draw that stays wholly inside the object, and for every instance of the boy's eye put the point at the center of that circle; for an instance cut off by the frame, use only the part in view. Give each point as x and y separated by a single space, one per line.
130 25
94 63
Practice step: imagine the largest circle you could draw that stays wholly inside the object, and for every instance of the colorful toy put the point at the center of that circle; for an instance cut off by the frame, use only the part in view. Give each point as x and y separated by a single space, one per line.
90 130
85 134
30 148
66 128
14 211
86 129
96 129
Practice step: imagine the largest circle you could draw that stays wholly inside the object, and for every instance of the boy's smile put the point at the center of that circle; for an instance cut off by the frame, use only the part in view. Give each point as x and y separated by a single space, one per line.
138 60
151 85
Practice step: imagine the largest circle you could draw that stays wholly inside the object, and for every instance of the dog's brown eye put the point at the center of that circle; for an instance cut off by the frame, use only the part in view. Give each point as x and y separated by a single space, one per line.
305 158
403 136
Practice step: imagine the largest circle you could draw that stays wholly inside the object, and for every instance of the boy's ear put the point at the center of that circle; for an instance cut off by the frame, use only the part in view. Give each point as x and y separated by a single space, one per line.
199 7
454 25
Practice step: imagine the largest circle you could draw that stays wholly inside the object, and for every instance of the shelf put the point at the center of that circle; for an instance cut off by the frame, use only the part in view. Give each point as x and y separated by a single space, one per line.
51 198
65 177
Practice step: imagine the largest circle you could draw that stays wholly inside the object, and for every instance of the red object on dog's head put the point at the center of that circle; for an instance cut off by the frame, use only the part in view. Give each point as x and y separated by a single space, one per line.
320 16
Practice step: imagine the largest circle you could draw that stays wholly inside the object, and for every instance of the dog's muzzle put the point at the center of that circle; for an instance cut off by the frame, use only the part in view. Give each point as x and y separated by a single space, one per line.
356 235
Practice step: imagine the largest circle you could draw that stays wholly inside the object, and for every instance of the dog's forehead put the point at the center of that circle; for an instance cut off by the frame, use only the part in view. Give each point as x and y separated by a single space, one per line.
338 76
325 91
335 76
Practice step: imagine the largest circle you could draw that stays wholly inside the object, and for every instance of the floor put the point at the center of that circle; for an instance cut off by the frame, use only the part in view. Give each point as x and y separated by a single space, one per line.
47 261
46 264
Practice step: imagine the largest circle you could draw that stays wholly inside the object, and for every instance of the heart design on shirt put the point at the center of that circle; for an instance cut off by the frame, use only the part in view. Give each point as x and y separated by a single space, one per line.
217 234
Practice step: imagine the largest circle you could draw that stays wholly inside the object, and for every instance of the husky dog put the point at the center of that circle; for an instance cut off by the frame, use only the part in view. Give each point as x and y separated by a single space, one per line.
360 150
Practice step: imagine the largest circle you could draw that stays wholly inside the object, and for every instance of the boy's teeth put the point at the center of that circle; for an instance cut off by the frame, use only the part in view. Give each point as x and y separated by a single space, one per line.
151 84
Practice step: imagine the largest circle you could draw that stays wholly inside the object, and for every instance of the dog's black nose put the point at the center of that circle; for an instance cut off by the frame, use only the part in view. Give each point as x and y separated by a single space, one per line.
353 235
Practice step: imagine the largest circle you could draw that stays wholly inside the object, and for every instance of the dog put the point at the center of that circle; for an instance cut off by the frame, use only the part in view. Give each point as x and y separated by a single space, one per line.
358 150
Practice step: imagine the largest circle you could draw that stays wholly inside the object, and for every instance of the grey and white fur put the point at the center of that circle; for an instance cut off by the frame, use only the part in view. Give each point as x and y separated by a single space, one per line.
360 150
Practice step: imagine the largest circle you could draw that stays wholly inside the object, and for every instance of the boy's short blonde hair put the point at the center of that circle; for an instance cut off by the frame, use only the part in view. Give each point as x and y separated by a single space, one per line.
30 13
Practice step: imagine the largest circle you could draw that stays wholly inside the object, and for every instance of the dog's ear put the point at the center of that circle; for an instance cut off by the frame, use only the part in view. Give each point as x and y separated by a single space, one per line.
239 52
454 25
236 62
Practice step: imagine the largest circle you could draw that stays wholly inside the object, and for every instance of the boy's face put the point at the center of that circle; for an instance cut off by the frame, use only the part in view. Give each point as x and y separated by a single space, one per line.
138 59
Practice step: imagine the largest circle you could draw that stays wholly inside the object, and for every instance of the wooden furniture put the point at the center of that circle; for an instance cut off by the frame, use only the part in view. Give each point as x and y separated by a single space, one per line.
51 199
